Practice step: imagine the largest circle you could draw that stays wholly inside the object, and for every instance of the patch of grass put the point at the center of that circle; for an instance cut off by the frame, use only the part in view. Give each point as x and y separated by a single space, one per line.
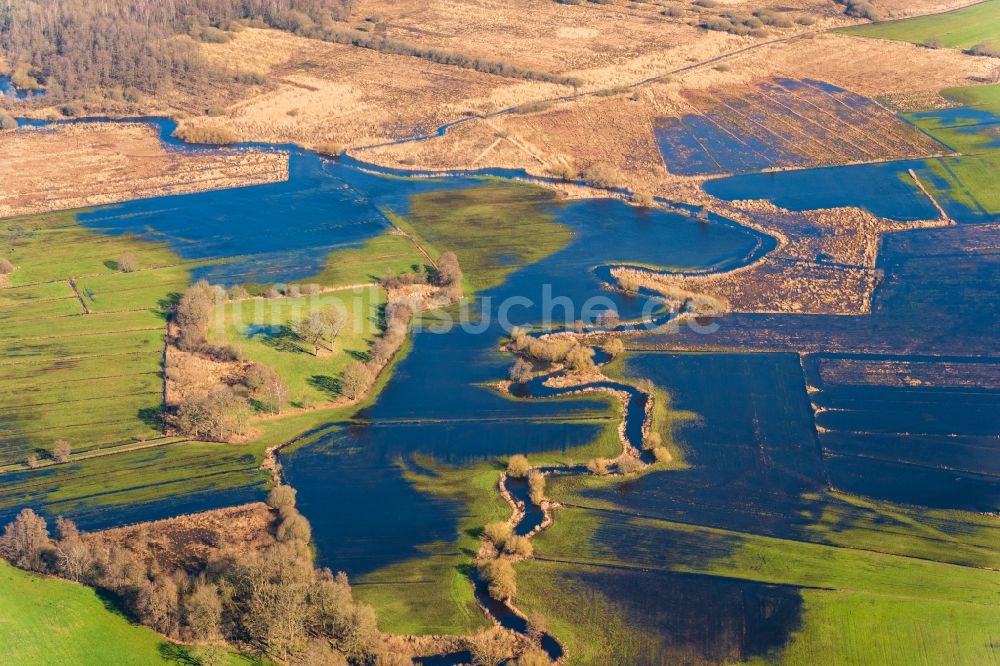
962 28
939 613
968 179
493 228
388 253
81 354
433 594
47 621
851 627
980 97
130 478
263 330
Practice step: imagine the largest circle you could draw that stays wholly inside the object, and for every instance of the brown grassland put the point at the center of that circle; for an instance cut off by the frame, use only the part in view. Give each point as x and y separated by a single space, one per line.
89 164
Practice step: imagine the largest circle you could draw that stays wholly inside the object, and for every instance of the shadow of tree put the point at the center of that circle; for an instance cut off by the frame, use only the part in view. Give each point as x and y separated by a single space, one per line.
177 654
358 355
152 417
281 338
327 384
166 305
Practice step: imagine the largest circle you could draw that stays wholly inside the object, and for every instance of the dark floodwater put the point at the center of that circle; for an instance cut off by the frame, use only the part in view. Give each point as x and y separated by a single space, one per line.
885 189
432 405
717 141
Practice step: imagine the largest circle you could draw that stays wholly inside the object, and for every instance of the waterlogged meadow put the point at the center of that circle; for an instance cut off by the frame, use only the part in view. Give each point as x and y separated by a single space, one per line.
832 479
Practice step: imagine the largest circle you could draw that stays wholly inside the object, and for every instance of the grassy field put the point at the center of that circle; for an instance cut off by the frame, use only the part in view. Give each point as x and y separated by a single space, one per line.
969 178
980 97
854 602
81 355
493 228
264 331
47 621
388 253
962 28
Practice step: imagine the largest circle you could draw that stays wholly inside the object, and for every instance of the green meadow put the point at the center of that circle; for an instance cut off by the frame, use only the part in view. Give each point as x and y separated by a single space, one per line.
493 228
391 253
51 622
926 592
962 28
980 97
968 178
264 331
81 356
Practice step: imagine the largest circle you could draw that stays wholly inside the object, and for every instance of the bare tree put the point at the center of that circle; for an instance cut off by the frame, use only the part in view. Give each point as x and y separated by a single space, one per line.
518 466
266 386
355 381
202 613
520 372
128 262
490 647
61 450
25 540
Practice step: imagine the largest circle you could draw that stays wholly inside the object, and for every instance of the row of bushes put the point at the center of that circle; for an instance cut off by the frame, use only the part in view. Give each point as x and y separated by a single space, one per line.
444 57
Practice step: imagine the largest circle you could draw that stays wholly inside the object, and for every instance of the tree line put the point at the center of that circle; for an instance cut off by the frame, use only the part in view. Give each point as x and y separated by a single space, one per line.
77 46
273 600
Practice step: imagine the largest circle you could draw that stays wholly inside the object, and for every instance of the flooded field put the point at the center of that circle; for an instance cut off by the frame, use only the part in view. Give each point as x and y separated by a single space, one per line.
812 447
783 123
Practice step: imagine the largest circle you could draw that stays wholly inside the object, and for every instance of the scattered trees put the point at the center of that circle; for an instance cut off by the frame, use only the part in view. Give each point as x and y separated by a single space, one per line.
555 349
61 450
219 416
265 386
272 599
123 46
